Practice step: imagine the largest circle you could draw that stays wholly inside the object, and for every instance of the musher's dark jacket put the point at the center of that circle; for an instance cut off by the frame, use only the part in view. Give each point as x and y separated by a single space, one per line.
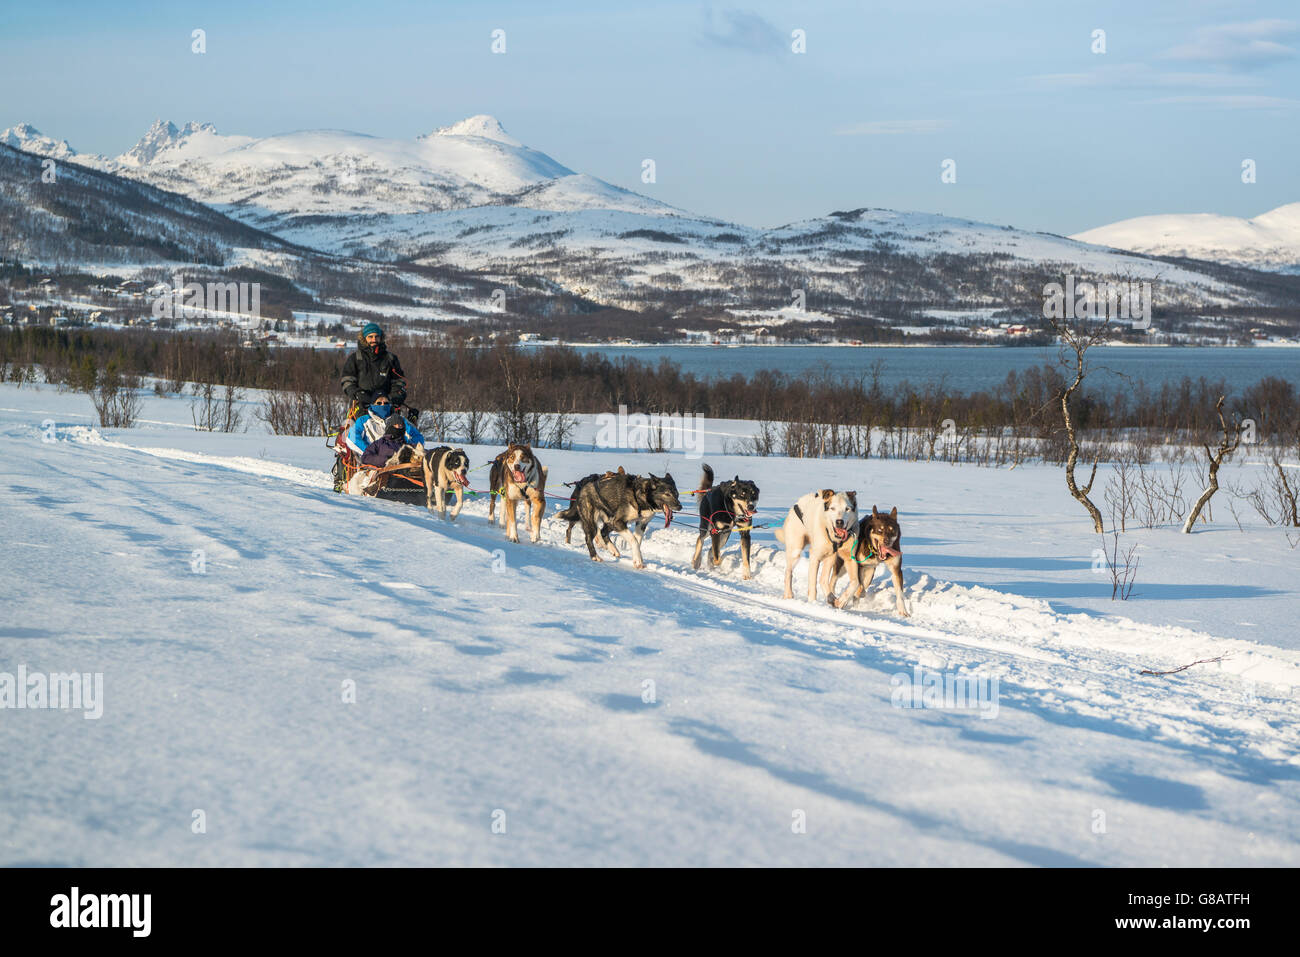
374 369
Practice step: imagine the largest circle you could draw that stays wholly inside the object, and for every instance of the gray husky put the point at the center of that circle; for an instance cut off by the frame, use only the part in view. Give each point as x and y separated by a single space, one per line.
570 514
623 503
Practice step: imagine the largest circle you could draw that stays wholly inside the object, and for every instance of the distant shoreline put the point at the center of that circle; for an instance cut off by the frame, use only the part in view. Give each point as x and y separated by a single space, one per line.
890 345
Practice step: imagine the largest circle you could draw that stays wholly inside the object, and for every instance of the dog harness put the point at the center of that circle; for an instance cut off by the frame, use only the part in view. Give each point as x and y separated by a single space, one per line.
871 552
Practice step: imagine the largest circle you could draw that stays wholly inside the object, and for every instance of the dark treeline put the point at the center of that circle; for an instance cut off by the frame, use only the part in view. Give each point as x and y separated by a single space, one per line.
832 410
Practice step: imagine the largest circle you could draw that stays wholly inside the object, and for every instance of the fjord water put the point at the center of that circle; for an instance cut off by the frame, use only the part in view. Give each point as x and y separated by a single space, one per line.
972 368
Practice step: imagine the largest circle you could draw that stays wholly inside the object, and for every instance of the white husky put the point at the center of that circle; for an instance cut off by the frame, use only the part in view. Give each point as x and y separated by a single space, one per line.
821 522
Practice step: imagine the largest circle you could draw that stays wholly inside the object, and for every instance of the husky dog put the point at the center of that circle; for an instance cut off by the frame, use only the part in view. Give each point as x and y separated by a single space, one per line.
369 481
517 476
570 514
725 508
821 522
445 470
626 504
877 541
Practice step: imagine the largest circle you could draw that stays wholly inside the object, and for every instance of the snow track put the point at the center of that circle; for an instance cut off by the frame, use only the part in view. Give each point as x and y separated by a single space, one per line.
1084 664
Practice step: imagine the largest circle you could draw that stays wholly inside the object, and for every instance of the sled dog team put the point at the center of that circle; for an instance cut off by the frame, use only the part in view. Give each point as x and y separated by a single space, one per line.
824 522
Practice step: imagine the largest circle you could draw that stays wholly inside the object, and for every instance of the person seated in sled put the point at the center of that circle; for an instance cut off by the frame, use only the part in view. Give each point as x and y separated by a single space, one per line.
392 441
370 426
372 368
389 448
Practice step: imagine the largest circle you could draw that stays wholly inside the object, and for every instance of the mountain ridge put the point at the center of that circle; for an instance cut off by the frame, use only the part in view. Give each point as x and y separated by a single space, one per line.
466 197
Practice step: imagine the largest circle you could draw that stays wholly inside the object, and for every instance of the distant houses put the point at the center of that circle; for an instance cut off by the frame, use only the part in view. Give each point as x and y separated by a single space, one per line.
1003 329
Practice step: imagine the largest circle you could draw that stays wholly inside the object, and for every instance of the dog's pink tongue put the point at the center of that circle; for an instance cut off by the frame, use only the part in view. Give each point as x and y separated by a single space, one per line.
841 533
519 475
463 479
668 517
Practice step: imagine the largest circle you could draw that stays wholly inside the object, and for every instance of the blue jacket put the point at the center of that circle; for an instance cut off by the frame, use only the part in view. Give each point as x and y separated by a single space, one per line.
370 427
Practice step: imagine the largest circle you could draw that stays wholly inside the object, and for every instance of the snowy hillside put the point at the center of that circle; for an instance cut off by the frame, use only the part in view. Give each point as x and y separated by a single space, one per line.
607 715
96 219
1268 241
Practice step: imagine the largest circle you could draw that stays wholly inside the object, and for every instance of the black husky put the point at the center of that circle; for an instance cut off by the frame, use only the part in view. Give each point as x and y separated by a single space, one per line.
724 508
616 502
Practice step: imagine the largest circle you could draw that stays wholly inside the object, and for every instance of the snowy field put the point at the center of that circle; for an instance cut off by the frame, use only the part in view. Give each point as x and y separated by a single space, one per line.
601 715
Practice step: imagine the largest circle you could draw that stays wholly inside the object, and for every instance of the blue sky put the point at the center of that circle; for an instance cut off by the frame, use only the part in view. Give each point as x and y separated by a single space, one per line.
1045 133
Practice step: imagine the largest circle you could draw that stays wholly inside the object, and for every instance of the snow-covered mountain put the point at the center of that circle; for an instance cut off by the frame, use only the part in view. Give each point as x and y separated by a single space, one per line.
29 139
1268 241
471 197
283 182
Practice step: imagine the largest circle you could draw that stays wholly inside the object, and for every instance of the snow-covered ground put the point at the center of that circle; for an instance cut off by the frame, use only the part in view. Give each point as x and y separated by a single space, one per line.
604 715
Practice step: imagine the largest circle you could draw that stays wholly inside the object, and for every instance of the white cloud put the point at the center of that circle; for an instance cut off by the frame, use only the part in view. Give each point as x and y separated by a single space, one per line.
1141 76
742 30
1243 44
891 128
1236 102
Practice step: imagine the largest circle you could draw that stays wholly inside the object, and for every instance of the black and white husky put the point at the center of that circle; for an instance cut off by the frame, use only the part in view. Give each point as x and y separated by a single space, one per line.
445 469
724 508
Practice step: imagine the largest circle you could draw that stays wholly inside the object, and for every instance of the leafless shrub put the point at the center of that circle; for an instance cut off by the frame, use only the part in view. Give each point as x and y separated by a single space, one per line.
115 401
1119 493
655 438
214 411
559 432
1122 567
1160 499
762 442
436 425
1276 496
288 413
474 425
803 439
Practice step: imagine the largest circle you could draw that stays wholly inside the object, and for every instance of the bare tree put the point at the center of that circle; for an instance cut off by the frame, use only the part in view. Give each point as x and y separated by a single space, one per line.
1227 445
1075 343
